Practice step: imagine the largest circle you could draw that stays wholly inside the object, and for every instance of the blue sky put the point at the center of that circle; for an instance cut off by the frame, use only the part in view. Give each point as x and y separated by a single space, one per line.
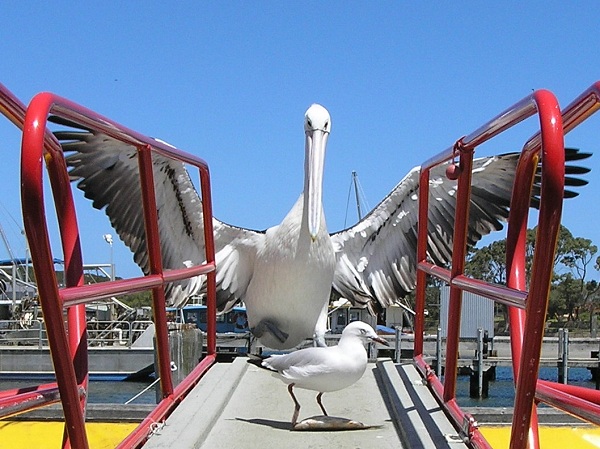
230 82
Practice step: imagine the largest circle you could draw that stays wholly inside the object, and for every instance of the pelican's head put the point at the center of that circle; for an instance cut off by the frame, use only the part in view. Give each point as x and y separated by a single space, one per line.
317 124
317 118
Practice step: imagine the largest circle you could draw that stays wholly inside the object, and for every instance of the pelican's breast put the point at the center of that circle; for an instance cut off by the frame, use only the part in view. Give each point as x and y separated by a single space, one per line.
292 279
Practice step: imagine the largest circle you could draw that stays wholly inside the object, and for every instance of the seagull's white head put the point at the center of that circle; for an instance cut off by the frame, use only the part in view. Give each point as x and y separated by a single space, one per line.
361 330
317 125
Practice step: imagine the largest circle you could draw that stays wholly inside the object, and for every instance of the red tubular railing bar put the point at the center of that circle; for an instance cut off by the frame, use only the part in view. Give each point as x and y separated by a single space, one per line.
457 267
23 400
11 107
69 371
578 401
580 109
527 326
155 261
581 402
85 293
69 352
545 104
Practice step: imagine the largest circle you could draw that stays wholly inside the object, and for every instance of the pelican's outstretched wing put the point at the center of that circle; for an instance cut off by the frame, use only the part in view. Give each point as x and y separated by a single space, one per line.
376 258
107 171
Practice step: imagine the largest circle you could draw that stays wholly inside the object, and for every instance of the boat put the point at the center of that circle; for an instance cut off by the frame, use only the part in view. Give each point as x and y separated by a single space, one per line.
232 332
234 321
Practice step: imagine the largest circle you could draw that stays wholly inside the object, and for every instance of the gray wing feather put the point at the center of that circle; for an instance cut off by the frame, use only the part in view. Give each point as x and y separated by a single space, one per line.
106 170
376 258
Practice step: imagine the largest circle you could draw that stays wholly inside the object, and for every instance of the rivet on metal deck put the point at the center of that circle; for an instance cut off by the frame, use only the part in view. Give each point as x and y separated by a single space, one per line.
240 405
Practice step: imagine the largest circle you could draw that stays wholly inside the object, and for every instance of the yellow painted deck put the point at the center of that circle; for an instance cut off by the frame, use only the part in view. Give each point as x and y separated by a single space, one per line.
48 434
551 437
240 399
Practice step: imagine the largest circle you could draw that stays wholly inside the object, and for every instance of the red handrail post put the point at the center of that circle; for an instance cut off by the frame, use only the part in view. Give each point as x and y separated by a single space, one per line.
34 136
421 286
553 170
159 311
544 103
69 351
211 280
461 225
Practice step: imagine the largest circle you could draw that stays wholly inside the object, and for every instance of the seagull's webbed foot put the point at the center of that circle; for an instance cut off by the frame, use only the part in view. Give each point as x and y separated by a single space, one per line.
297 405
321 404
268 326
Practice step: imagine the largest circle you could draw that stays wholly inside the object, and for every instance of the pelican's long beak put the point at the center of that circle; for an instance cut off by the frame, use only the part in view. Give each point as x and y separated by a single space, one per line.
316 142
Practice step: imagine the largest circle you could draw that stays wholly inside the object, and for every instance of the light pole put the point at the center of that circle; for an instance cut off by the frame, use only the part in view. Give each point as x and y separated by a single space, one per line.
108 239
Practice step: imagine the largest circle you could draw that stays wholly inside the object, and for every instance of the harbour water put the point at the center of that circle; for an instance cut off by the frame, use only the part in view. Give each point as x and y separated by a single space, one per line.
501 390
101 390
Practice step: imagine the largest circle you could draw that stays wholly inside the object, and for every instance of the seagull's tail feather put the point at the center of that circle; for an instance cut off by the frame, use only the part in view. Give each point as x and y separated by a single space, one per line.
258 360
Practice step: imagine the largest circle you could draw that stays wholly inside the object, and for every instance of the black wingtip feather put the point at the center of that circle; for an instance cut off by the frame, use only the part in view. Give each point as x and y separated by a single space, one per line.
66 122
574 154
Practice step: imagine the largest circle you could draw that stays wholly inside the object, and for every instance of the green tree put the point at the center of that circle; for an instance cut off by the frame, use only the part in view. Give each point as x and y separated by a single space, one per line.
573 262
139 299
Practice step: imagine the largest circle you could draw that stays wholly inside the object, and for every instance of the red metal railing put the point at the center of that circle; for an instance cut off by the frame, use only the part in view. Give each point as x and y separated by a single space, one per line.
527 309
68 345
19 400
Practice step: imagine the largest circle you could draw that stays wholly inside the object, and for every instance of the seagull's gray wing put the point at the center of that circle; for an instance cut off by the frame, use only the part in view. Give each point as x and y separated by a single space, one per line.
107 171
376 258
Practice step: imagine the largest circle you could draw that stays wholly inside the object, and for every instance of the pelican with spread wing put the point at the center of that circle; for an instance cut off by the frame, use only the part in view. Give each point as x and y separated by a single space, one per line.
285 274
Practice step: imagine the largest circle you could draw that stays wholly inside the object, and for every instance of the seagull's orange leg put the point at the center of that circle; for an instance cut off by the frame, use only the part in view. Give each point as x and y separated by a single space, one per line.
297 408
321 404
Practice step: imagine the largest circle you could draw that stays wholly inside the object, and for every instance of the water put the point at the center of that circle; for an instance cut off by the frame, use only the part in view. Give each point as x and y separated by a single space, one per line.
100 391
120 392
502 391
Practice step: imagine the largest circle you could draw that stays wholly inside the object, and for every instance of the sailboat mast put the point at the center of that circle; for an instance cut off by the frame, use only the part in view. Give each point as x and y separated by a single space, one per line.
355 182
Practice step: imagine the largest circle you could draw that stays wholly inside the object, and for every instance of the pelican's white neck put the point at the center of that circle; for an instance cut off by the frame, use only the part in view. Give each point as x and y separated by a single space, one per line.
317 124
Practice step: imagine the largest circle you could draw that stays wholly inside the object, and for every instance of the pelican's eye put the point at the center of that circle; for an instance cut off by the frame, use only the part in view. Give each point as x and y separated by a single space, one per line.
326 125
309 122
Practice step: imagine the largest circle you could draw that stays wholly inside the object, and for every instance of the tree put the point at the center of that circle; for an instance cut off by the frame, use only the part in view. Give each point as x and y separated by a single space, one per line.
573 260
488 263
139 299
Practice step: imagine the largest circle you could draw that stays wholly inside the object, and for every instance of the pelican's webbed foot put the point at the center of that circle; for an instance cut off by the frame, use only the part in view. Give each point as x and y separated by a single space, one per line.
268 326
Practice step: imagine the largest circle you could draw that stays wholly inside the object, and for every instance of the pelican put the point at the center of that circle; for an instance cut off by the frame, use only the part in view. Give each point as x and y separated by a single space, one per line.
285 275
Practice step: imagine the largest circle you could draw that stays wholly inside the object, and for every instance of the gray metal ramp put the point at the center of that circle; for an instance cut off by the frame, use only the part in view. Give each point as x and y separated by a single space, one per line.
239 405
421 422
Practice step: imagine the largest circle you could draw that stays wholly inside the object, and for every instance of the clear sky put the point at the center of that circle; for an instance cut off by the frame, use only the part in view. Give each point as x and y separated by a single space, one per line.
230 82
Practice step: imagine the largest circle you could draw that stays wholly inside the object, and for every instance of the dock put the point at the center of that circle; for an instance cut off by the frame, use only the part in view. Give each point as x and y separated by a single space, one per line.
241 401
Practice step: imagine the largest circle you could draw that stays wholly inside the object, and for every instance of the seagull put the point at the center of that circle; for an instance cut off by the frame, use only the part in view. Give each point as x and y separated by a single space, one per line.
286 275
325 369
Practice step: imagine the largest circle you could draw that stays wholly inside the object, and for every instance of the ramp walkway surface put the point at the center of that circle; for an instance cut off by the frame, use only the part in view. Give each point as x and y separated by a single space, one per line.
238 405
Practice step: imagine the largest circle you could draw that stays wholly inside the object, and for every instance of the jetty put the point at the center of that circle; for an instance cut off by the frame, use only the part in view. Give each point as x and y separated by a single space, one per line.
404 403
242 399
